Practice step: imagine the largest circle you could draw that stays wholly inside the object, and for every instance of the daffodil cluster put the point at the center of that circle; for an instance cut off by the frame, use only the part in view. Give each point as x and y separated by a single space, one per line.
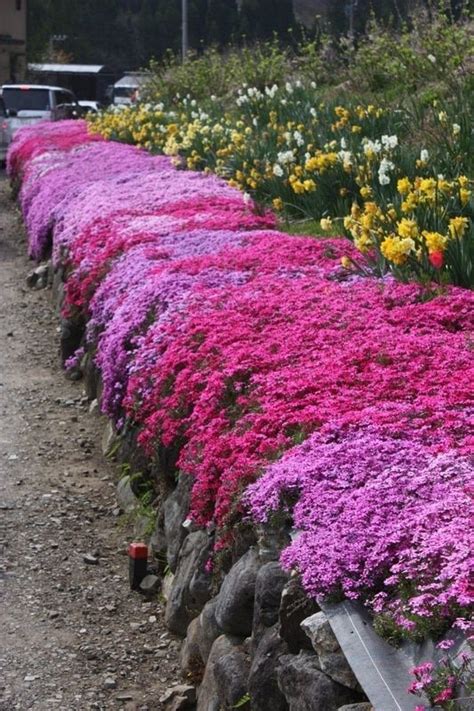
280 144
426 231
311 158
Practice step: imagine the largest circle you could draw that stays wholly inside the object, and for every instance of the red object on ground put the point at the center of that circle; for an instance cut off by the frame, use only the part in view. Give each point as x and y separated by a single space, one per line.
138 551
138 563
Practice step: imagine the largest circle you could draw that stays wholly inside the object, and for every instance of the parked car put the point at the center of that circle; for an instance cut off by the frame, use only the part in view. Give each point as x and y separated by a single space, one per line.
90 107
30 103
126 90
5 136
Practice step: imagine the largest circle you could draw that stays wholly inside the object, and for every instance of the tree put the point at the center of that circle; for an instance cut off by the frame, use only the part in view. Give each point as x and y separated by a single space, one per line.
261 19
221 21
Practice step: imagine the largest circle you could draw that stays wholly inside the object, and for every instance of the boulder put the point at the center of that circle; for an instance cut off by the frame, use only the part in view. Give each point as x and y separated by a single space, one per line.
167 586
208 696
209 630
179 698
58 289
129 451
157 540
125 496
231 673
330 656
295 606
41 277
91 377
319 631
336 666
150 585
192 665
263 684
110 440
271 540
191 587
235 602
175 511
307 688
72 332
269 584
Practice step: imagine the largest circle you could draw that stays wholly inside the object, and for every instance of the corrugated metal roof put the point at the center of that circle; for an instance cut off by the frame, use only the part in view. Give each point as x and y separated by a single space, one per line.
67 68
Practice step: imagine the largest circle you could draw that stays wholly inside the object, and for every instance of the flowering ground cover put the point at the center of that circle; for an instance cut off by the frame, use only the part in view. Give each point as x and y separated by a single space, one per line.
406 204
286 383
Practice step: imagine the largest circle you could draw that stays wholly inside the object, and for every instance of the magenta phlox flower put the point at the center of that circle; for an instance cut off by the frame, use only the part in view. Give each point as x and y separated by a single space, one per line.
284 385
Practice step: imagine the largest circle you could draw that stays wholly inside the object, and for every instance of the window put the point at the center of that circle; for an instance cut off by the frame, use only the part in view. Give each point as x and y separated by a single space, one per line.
27 99
64 97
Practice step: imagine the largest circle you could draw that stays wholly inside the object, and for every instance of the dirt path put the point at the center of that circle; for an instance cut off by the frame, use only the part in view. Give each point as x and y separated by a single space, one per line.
72 635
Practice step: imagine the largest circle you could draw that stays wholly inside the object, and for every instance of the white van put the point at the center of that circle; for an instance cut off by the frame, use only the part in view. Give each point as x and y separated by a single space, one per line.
30 103
126 90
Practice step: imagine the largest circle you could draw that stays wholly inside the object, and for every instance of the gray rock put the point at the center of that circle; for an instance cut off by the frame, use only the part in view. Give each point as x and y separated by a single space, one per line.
178 703
307 688
294 608
231 673
109 439
269 584
167 586
90 559
92 378
186 691
263 685
191 584
175 511
356 707
39 278
58 289
319 631
234 611
208 698
150 584
182 696
192 664
141 526
200 585
209 630
271 540
72 332
330 656
157 540
110 683
125 496
336 666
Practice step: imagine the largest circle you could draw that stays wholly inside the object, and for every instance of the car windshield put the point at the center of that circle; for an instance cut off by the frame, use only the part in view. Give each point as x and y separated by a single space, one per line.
26 99
124 91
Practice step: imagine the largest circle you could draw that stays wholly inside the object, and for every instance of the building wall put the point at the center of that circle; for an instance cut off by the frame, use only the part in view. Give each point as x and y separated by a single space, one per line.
12 40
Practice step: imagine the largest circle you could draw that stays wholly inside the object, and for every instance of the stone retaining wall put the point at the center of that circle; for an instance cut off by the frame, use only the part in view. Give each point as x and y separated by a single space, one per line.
254 641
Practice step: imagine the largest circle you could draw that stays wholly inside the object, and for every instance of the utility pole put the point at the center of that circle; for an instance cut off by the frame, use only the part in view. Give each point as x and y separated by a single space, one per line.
184 29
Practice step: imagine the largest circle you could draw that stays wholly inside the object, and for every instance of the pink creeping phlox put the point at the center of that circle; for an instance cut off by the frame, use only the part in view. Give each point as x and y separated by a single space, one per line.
284 382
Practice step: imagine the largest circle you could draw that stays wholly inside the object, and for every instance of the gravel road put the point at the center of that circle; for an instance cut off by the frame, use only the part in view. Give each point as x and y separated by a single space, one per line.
72 635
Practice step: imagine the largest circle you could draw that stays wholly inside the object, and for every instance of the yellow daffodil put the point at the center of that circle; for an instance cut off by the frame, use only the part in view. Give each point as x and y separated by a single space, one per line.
435 242
397 249
458 226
